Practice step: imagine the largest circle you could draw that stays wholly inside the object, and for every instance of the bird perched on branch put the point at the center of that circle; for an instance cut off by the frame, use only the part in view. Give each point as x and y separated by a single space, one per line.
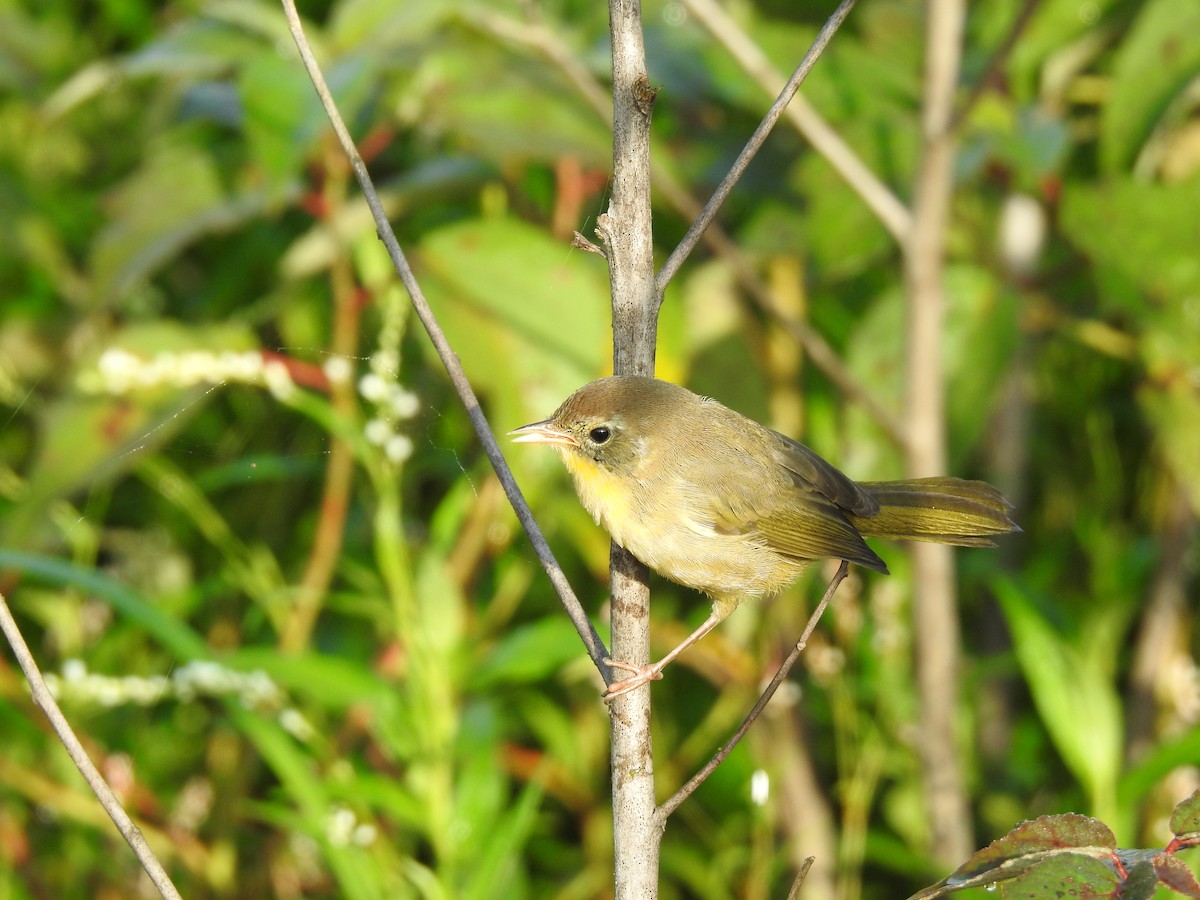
718 503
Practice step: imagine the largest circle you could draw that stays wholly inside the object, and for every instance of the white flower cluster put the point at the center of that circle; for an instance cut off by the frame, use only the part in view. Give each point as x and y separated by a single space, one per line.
119 371
201 678
255 690
393 404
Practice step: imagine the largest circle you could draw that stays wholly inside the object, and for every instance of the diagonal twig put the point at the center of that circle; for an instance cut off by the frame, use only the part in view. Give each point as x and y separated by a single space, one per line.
819 351
798 881
45 700
680 253
878 197
587 633
671 804
995 62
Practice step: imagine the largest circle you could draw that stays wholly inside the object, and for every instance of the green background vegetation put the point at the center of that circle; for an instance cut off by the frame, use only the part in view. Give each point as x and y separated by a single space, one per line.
168 185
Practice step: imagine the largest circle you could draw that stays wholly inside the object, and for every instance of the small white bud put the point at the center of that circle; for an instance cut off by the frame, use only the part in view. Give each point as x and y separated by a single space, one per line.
338 369
1022 233
398 448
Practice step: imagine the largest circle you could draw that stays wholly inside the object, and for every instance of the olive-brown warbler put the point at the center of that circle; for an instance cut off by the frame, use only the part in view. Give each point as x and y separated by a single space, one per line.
718 503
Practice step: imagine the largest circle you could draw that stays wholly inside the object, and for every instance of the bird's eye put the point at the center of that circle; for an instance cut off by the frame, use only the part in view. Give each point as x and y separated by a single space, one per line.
600 435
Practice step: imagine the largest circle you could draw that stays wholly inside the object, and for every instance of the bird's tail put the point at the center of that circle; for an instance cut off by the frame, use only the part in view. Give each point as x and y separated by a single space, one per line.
942 510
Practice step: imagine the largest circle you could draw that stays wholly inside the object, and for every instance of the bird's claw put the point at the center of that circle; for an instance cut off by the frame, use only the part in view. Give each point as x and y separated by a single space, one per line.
641 675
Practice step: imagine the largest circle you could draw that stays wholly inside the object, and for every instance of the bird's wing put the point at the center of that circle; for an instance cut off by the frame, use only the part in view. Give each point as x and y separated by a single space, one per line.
814 528
798 519
810 472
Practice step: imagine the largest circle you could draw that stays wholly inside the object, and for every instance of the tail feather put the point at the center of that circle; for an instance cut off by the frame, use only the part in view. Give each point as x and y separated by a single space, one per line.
943 510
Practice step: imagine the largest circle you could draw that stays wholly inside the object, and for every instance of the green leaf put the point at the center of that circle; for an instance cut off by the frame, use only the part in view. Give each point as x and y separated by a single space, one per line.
1155 245
144 233
305 788
1158 59
980 332
195 48
1065 855
358 24
1067 875
173 634
529 653
1058 33
504 107
1157 763
1073 692
330 681
1185 820
441 606
282 116
85 439
1173 412
496 869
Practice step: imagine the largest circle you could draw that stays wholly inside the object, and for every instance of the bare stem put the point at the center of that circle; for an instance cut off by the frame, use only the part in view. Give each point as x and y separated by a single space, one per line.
935 613
45 700
664 811
680 253
627 232
591 640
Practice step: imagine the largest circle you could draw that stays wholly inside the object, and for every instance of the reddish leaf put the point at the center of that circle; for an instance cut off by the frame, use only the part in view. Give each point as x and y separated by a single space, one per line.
1175 874
1046 833
1075 853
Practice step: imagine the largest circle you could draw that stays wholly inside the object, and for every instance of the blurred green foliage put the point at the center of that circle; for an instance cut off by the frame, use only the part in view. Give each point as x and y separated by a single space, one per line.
210 451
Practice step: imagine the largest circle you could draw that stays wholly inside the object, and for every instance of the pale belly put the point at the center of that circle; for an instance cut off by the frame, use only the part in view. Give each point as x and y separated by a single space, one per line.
727 567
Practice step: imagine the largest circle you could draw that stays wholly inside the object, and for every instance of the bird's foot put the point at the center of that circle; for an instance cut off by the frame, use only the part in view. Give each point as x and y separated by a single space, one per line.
641 675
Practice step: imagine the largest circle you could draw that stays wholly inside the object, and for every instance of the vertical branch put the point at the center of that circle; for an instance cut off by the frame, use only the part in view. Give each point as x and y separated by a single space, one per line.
935 614
627 229
627 232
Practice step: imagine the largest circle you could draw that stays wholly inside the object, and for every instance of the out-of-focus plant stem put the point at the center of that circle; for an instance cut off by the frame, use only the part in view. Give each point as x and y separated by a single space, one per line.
429 684
339 469
934 600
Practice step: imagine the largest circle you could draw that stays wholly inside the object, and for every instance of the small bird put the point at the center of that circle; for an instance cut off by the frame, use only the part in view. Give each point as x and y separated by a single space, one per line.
718 503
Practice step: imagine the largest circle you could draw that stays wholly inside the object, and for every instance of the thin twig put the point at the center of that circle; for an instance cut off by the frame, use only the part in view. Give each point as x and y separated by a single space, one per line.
45 700
819 352
680 253
591 640
664 811
798 881
878 197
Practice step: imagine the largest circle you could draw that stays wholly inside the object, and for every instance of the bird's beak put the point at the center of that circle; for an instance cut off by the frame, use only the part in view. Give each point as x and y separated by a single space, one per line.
544 432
